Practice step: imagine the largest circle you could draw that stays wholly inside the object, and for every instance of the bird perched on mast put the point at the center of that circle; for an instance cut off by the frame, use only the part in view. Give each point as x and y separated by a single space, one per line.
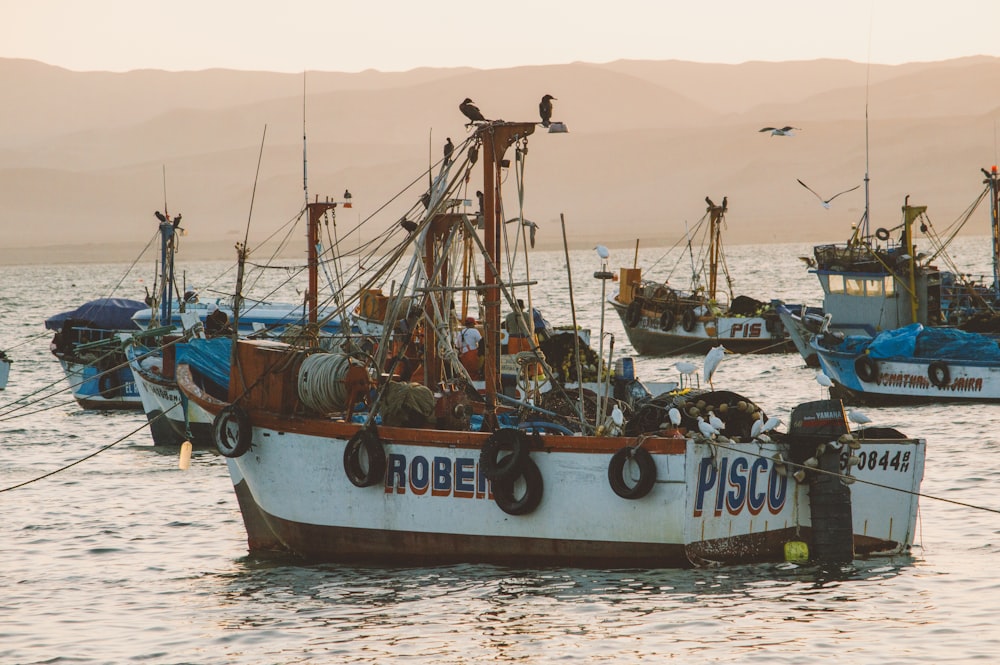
545 110
449 147
471 111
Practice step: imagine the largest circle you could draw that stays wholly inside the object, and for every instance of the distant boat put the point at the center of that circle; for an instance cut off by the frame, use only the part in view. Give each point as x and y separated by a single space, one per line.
5 363
875 282
912 365
662 320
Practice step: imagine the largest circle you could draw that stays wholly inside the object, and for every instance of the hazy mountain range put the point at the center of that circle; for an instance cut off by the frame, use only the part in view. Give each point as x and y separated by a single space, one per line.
86 157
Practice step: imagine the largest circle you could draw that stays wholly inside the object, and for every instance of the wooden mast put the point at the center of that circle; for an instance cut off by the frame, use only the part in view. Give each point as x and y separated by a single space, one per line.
496 138
714 248
316 211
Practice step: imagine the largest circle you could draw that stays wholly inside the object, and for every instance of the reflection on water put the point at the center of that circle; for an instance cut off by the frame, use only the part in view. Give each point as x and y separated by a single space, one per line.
125 558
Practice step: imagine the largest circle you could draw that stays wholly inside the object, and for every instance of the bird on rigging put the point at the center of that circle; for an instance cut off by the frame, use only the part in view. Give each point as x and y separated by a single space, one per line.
408 224
602 251
787 130
449 147
826 202
545 110
471 111
473 154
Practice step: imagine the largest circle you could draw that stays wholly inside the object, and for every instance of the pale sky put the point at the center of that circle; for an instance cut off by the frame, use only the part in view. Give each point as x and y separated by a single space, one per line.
351 36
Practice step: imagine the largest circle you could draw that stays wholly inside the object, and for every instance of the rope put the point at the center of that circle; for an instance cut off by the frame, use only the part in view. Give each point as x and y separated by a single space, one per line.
321 381
860 480
90 456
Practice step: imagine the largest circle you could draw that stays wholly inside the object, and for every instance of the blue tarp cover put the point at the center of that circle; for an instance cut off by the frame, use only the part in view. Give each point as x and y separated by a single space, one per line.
103 313
915 341
209 357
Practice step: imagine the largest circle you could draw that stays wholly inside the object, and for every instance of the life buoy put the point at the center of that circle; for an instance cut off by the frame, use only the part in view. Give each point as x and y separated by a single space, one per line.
667 320
688 319
939 374
633 314
866 368
498 468
647 472
109 385
366 439
231 431
882 234
504 491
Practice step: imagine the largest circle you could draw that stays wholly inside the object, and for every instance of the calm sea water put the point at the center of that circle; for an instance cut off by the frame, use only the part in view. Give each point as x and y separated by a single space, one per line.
125 558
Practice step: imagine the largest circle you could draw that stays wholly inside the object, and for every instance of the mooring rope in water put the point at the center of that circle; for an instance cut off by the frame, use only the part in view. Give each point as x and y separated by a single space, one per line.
860 480
91 455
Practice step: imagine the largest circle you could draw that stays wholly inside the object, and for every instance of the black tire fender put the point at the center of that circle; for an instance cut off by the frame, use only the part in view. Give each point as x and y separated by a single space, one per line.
109 384
866 368
688 319
503 490
647 472
510 466
367 440
667 320
882 234
633 314
939 374
232 431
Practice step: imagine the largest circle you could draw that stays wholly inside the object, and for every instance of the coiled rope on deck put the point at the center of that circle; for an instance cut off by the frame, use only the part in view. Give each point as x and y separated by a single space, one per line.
321 381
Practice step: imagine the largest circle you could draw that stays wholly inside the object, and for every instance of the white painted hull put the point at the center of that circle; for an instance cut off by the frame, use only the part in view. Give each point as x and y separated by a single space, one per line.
172 419
435 505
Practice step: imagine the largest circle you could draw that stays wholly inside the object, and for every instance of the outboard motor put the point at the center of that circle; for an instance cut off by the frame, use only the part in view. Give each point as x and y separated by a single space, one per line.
813 424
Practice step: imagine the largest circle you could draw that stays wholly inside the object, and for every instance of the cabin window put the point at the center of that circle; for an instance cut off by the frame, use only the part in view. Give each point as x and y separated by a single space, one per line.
890 286
854 287
836 283
873 287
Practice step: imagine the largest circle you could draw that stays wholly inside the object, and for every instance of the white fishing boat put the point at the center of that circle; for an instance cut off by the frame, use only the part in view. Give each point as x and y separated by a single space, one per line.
662 320
334 460
880 280
912 365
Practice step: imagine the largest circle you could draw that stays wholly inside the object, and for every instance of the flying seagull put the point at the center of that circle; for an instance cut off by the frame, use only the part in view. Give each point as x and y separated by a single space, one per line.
545 110
826 202
471 111
782 131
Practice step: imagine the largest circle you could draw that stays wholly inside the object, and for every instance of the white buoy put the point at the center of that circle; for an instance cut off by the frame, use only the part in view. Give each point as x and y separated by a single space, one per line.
185 459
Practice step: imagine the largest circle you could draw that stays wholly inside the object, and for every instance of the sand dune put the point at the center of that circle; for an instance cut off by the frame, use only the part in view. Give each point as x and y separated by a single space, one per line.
84 156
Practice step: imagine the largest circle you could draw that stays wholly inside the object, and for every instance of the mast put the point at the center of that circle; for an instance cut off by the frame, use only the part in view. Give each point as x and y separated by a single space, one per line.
316 211
496 138
714 247
991 180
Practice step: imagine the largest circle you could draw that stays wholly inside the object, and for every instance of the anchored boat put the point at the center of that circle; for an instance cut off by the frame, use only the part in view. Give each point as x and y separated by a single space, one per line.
879 281
660 320
335 458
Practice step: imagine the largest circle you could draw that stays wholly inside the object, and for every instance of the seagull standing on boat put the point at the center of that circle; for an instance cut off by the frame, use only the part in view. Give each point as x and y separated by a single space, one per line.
826 202
712 360
545 110
471 111
787 130
602 251
858 418
823 380
675 416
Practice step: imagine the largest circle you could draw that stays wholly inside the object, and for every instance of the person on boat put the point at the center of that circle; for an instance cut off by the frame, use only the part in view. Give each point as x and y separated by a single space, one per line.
468 339
518 329
217 322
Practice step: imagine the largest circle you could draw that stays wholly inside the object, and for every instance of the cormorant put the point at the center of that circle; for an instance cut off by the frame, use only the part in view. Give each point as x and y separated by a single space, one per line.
448 148
545 110
471 111
407 224
473 154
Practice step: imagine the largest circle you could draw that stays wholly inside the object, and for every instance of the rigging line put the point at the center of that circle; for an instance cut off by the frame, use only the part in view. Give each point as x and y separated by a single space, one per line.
90 456
862 480
135 261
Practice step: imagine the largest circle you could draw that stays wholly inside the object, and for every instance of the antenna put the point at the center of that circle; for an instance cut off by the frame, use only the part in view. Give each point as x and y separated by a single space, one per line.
165 212
305 176
863 228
